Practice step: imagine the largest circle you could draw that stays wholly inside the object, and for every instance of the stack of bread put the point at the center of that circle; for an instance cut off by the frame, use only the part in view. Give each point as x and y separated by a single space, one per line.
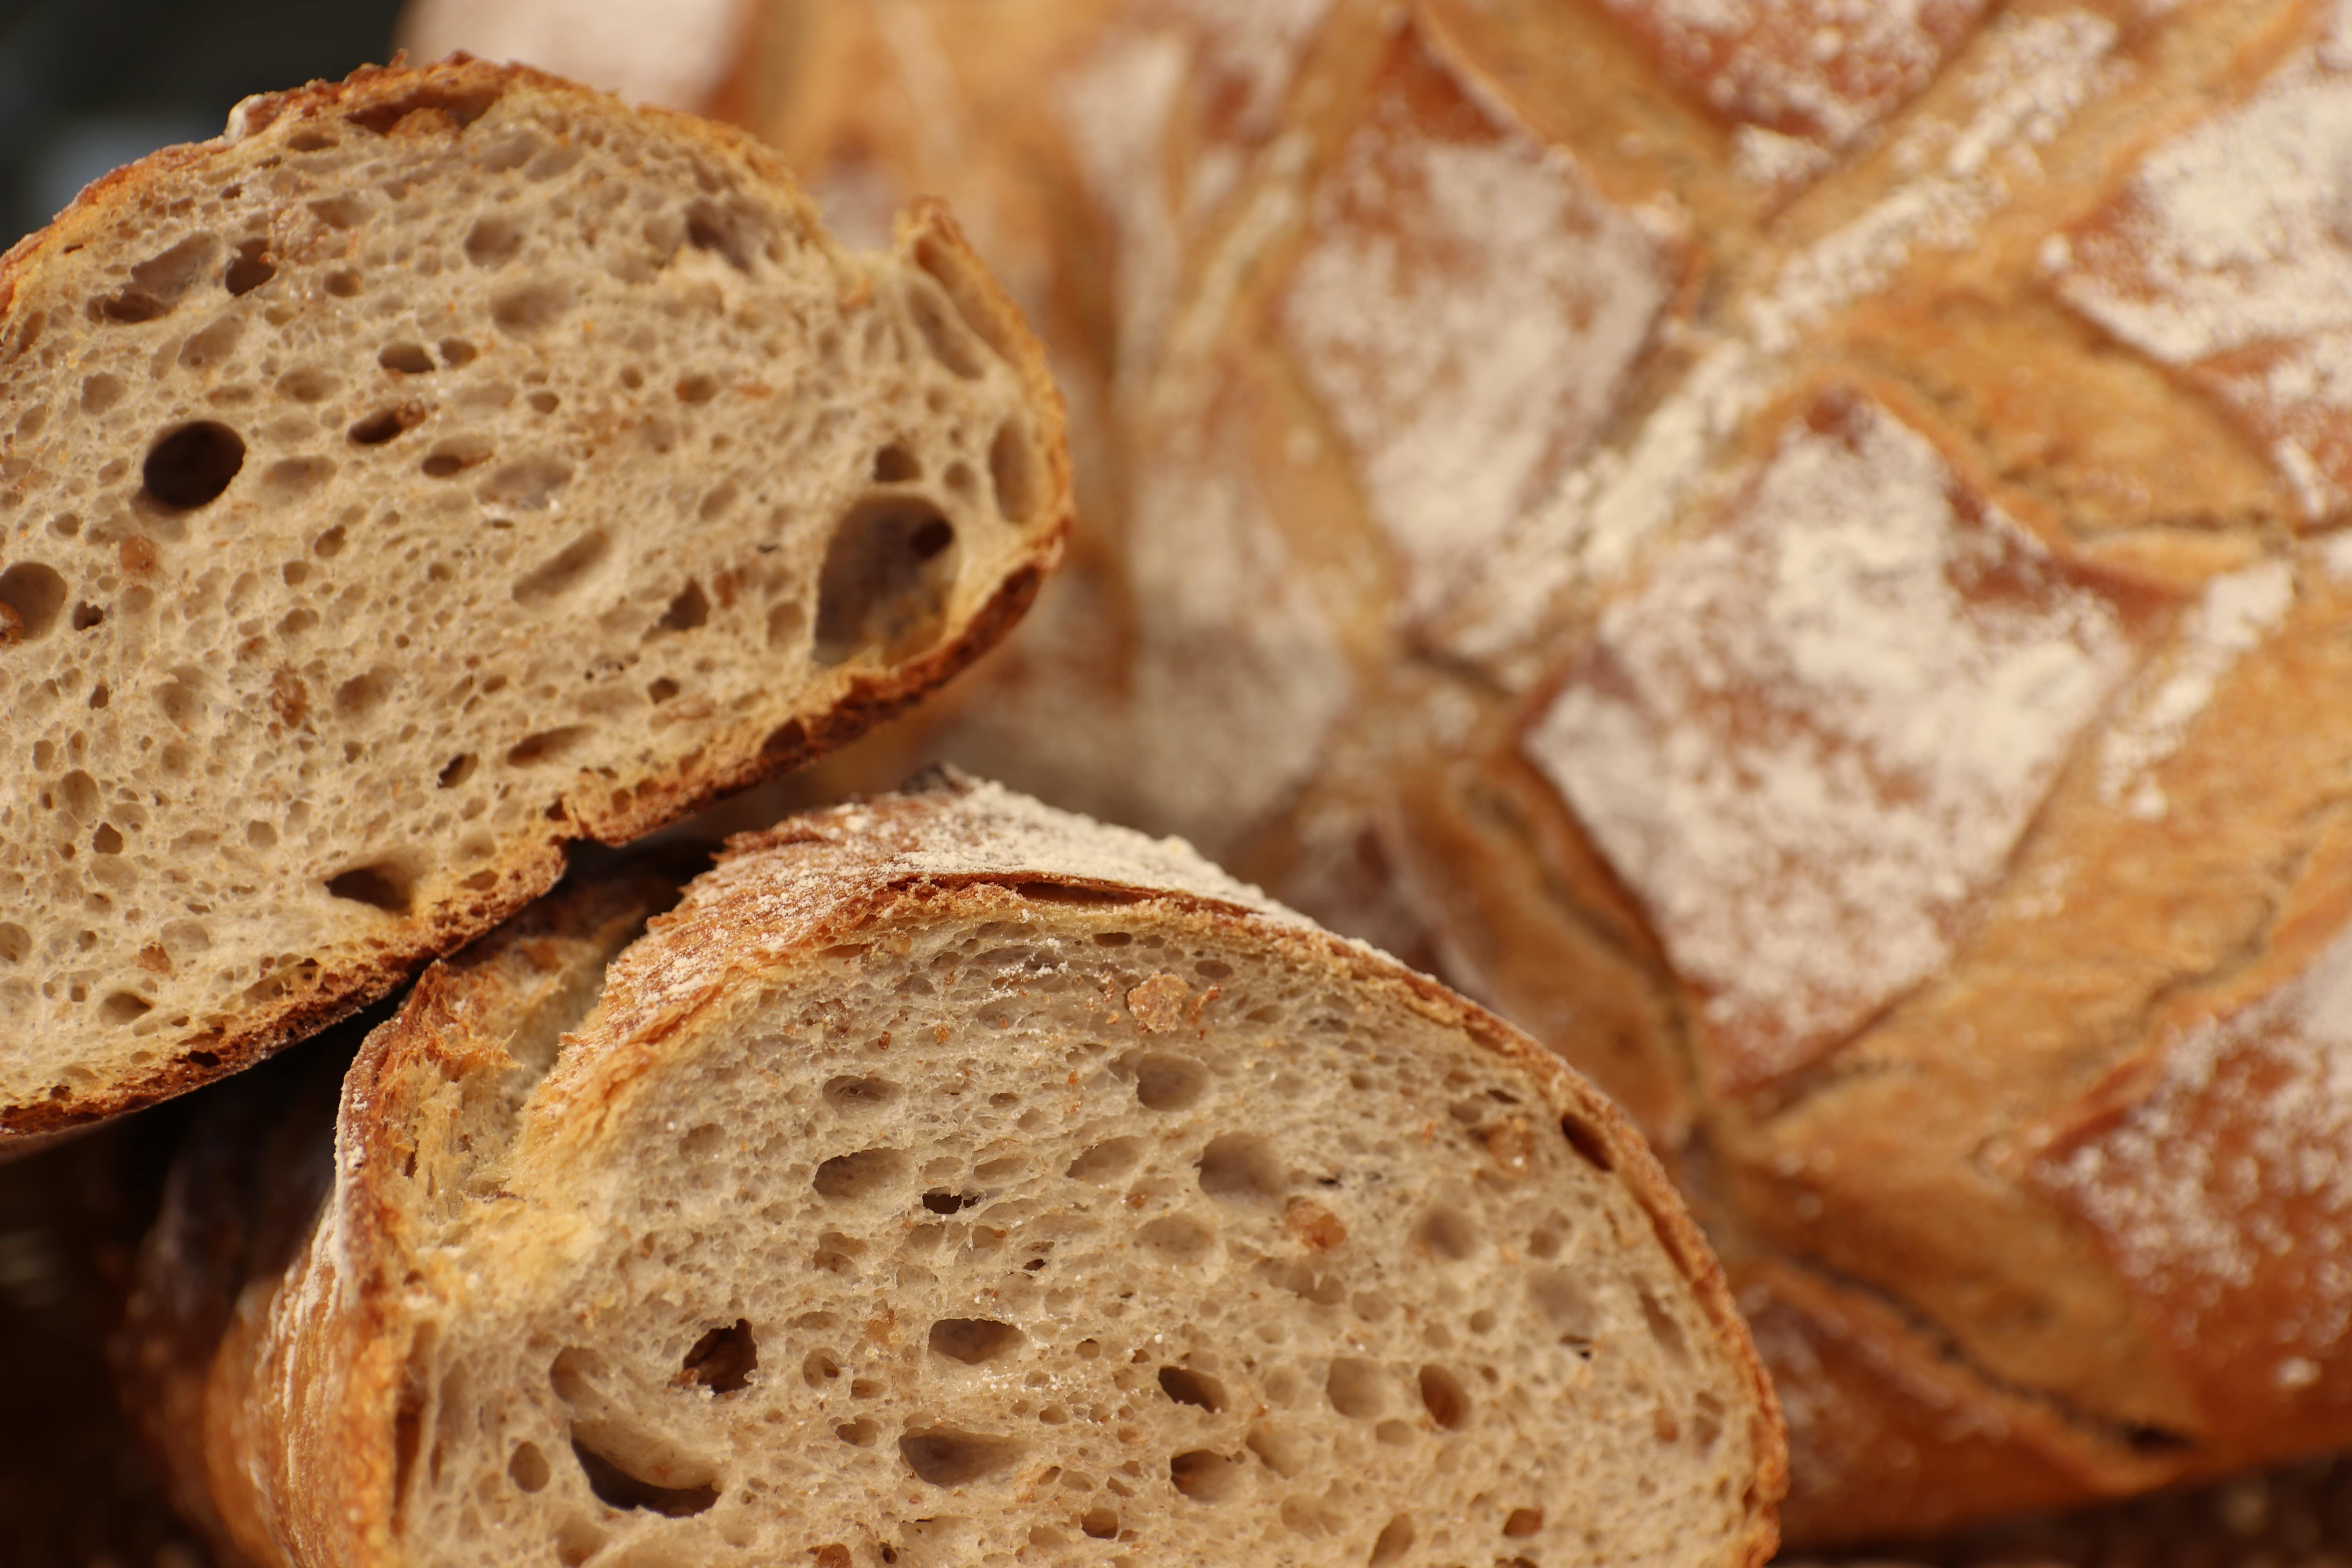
447 470
1795 549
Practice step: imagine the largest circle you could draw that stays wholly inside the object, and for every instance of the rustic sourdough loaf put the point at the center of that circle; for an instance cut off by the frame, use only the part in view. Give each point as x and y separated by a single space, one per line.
950 1181
440 466
1794 548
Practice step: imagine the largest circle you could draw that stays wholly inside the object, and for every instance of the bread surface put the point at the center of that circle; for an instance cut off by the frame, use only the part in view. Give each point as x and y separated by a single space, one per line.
1796 550
949 1180
441 466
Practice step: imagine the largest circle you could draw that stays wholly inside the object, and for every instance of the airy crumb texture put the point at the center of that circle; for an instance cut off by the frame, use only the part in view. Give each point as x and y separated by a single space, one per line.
915 1196
440 466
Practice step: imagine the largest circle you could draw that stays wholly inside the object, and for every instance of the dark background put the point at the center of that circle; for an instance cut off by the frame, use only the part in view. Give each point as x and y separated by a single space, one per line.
85 85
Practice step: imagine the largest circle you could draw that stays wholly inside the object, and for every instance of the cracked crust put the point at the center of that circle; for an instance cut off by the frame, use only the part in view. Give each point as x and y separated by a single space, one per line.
727 753
300 1445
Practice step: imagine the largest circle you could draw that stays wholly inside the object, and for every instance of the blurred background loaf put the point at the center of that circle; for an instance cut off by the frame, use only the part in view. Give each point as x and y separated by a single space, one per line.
1790 546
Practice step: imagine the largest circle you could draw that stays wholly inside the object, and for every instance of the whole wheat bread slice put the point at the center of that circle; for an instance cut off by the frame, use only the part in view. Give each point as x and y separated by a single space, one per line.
950 1181
440 466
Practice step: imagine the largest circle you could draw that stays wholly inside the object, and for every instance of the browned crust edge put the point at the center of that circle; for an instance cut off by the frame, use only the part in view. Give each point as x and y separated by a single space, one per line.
732 762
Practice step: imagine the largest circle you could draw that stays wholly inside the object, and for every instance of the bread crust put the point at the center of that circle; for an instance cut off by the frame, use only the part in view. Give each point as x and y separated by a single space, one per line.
926 238
304 1391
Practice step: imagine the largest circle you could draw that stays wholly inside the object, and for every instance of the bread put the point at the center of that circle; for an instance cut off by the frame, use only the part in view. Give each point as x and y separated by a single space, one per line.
1794 549
947 1180
441 466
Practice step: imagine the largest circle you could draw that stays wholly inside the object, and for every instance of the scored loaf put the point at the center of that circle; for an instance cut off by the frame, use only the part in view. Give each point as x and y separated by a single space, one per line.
1797 550
440 466
948 1180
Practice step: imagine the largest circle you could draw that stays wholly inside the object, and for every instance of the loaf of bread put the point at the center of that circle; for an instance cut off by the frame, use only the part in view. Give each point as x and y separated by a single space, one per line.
947 1180
440 466
1795 550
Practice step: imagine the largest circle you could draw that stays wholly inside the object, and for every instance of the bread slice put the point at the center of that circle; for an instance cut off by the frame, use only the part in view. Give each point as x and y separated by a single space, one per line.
949 1181
440 466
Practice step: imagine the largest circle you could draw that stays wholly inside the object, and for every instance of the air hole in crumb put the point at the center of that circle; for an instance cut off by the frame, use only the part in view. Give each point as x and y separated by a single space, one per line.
1523 1521
695 388
527 309
1394 1540
31 594
1113 938
1013 469
251 267
1588 1144
310 142
1442 1396
406 359
1102 1523
1665 1330
1111 1158
123 1008
452 457
547 746
943 1203
107 841
945 1458
1186 1386
859 1093
819 1368
384 885
1204 1475
529 1467
895 465
1164 1082
690 609
708 229
786 622
563 570
974 1340
661 690
1449 1234
192 465
863 1175
1242 1168
343 284
1566 1305
543 402
457 351
723 1360
458 769
949 342
614 1485
493 241
859 1433
885 582
1177 1239
1358 1388
387 424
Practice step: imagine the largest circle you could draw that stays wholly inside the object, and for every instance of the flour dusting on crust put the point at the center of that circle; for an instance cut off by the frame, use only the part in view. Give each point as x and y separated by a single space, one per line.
1810 740
2236 612
2229 254
2228 1181
1822 70
2023 84
1468 315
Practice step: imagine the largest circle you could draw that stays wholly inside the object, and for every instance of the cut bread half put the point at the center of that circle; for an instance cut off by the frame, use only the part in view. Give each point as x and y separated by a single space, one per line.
440 466
949 1181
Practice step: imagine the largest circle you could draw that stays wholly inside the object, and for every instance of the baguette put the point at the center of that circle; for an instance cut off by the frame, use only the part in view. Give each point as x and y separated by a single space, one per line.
440 466
949 1181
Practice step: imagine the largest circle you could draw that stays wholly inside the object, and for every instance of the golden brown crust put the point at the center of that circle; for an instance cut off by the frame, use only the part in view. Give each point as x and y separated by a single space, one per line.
461 89
311 1475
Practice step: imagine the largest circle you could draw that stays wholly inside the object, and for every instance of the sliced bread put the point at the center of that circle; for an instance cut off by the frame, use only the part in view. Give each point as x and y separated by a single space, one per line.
949 1181
440 466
